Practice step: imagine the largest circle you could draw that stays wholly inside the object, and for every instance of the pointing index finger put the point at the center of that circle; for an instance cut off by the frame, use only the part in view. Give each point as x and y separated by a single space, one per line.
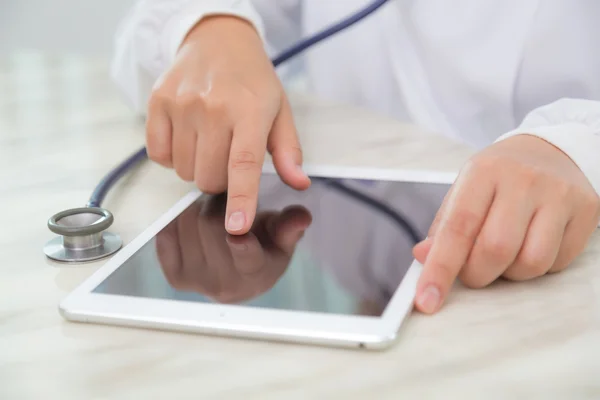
246 158
463 215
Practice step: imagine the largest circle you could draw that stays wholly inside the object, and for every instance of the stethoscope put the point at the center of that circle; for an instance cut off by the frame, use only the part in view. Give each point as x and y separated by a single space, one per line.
82 232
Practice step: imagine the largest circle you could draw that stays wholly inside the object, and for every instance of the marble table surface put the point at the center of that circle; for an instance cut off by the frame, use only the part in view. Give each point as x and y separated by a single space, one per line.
63 125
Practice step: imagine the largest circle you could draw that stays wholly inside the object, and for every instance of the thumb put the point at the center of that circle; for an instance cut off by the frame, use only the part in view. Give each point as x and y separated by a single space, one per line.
284 146
421 250
289 227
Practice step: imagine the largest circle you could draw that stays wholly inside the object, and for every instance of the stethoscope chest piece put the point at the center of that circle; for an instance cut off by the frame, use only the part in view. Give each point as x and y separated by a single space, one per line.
82 235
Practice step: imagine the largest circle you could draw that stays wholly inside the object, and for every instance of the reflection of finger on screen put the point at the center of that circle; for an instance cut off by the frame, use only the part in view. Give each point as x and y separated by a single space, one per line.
247 253
190 242
169 252
288 228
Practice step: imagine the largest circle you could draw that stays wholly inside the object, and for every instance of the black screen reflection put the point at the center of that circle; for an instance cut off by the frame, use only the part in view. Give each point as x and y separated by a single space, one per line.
323 250
197 255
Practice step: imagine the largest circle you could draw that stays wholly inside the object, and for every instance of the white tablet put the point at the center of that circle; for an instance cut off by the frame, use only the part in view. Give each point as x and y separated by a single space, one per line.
331 265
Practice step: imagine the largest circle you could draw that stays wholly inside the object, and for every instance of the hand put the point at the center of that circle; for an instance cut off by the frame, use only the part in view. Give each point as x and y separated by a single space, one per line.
197 254
519 209
214 113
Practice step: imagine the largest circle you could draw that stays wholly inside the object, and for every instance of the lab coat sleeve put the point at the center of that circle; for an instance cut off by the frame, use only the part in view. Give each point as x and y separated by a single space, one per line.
573 126
148 38
282 20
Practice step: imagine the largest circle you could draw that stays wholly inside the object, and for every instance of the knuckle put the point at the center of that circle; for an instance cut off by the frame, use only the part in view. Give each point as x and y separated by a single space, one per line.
534 264
513 275
498 249
156 149
158 154
264 105
254 111
265 102
444 271
529 177
215 106
185 101
273 93
463 224
473 280
159 98
186 174
244 161
559 267
475 284
153 135
239 198
563 190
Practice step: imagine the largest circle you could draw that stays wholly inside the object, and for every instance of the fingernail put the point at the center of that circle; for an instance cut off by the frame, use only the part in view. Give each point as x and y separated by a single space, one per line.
236 221
429 299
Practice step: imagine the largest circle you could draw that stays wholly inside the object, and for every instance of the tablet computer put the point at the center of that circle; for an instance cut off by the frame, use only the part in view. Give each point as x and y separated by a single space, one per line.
331 265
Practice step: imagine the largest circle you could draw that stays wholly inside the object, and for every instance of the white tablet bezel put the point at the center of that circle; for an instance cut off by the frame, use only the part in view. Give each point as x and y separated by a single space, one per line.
84 305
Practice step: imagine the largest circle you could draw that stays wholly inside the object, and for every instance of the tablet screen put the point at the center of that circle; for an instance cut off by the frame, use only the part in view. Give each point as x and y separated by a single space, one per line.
343 246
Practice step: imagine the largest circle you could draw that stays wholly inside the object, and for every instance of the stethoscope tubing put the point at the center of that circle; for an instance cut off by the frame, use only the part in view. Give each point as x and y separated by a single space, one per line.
140 155
76 235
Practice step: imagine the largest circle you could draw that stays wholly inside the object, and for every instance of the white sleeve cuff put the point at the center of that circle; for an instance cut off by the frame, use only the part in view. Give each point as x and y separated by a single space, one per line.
573 126
180 23
160 26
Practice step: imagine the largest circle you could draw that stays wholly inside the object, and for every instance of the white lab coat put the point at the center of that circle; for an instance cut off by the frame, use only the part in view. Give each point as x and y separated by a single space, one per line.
478 71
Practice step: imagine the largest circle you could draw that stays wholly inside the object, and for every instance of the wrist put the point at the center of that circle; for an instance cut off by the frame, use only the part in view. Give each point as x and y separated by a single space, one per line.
222 26
189 23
